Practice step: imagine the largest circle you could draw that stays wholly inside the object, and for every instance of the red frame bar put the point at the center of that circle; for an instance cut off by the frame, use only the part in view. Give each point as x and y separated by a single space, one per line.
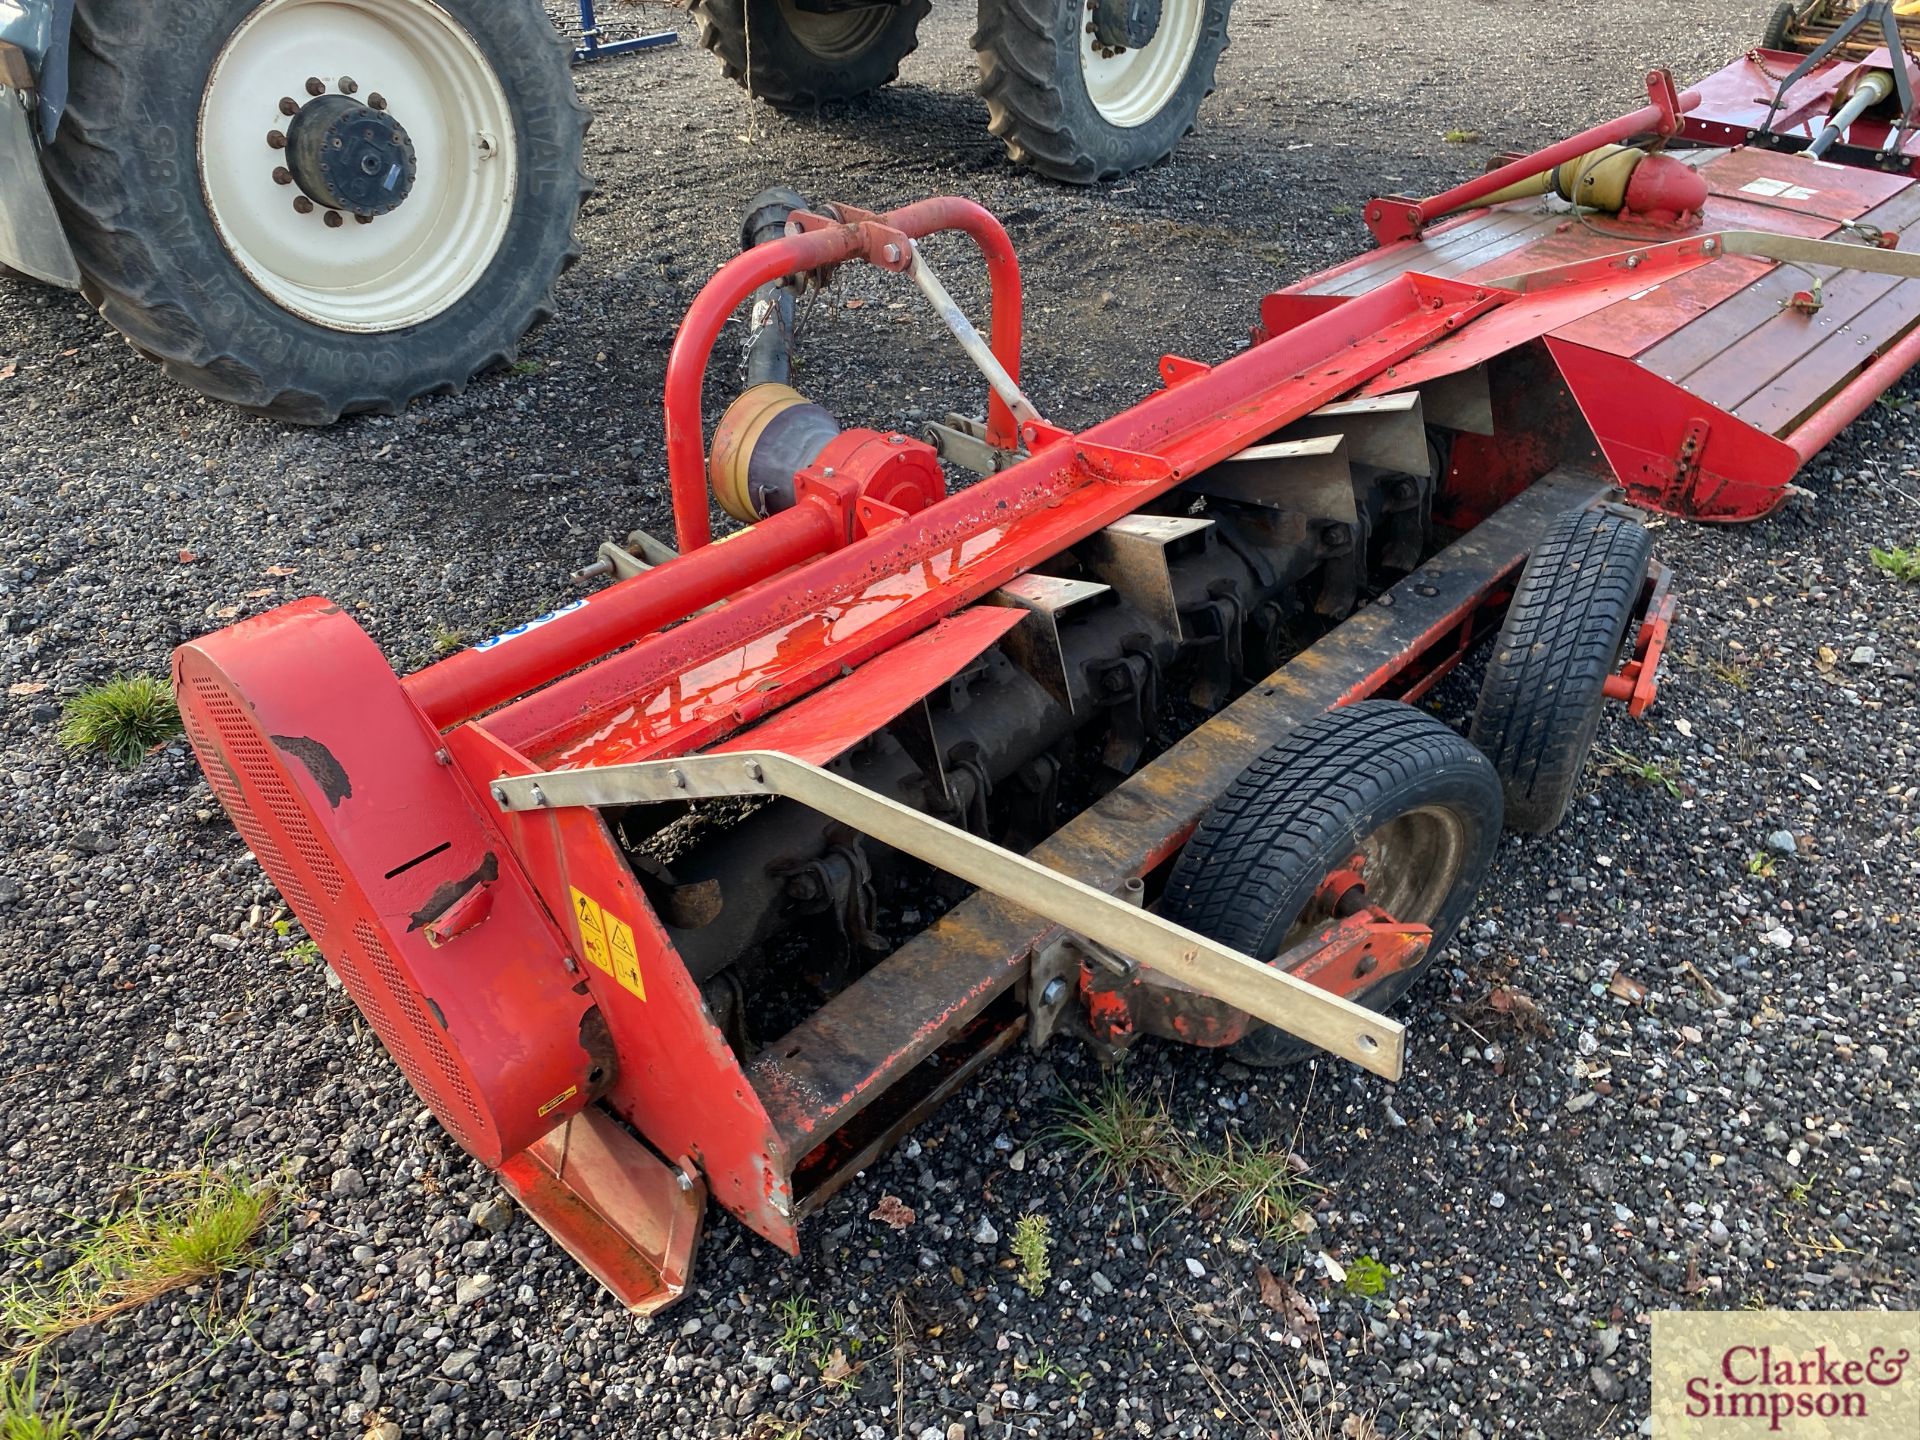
1392 218
1852 399
824 241
1637 684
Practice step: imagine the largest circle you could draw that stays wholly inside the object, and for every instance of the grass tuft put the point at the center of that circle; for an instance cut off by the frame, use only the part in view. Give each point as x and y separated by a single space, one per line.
123 719
26 1414
1251 1188
1645 772
1902 564
207 1223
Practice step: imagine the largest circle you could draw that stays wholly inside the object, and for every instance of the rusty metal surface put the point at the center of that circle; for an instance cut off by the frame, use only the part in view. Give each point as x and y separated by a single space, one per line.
915 1000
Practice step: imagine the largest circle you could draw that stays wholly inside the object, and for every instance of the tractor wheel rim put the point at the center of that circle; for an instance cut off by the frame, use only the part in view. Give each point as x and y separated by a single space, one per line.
839 34
1131 87
416 63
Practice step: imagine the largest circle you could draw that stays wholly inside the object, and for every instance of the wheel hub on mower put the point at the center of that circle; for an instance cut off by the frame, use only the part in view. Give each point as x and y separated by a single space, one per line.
349 156
1124 24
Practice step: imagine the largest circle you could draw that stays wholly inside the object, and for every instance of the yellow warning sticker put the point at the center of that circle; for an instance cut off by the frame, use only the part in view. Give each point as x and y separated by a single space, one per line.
626 955
607 941
593 935
559 1100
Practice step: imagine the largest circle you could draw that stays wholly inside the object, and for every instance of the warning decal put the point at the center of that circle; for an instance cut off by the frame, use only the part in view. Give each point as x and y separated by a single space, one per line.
607 941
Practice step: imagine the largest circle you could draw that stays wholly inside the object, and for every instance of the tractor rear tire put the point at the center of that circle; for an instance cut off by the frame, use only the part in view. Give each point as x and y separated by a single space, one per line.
1078 116
1380 778
1774 37
797 60
197 244
1563 636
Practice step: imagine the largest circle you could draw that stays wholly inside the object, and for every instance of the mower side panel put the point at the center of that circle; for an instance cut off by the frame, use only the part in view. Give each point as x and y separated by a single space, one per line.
32 239
406 885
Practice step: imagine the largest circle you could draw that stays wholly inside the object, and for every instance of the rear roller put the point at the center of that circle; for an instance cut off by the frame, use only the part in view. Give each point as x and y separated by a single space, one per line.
1563 636
1392 805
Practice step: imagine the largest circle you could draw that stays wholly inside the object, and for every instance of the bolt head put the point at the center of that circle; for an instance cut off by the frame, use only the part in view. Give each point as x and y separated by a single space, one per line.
335 219
363 219
316 86
1055 991
377 101
289 105
276 140
303 205
282 175
348 85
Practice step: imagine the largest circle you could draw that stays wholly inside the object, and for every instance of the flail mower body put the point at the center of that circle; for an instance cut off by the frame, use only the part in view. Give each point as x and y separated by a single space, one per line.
711 884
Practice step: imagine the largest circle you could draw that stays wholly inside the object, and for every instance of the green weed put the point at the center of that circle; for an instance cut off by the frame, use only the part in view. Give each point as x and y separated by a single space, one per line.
123 719
27 1414
1646 772
1760 863
447 639
1902 564
1460 137
1366 1278
1032 1243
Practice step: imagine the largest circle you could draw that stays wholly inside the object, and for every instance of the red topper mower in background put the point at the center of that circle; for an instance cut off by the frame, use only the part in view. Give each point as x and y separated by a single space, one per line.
714 883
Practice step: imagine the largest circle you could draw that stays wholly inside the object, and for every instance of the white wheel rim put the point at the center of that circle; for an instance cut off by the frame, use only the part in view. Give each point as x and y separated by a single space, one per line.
407 266
1130 88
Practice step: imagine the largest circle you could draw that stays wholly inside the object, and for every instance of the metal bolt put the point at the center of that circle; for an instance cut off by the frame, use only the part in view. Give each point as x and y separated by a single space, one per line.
335 220
364 219
682 1179
1055 991
1707 247
754 771
377 100
896 439
302 204
828 472
500 795
892 254
679 779
573 965
316 86
276 140
537 796
1633 262
442 757
289 105
282 175
349 86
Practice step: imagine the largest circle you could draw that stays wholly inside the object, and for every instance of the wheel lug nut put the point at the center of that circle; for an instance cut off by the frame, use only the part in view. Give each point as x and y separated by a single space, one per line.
349 85
282 175
303 205
334 222
377 100
364 219
289 105
316 86
276 140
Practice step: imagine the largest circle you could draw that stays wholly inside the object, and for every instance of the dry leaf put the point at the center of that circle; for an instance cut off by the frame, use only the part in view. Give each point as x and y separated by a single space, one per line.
1336 1272
9 370
1626 987
258 594
1825 658
280 572
26 687
227 612
836 1369
1509 1001
856 304
187 557
892 1212
1685 727
1286 1302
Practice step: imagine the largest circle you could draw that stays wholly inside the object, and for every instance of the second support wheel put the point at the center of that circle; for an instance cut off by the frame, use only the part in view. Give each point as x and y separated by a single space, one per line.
1563 636
1084 90
797 54
1378 789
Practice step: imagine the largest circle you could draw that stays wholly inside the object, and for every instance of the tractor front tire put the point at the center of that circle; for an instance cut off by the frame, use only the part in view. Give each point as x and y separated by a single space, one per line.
1074 113
1379 779
174 176
798 59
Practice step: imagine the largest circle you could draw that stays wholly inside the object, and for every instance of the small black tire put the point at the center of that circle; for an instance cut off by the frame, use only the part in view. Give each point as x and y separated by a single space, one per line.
1779 23
1563 636
1379 778
796 59
1041 107
126 175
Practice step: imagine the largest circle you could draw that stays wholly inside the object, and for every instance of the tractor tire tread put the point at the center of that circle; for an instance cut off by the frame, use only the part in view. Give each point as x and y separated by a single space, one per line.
124 278
780 82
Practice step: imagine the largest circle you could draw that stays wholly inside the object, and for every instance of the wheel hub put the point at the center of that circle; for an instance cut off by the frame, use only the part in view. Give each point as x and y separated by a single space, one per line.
1124 24
352 157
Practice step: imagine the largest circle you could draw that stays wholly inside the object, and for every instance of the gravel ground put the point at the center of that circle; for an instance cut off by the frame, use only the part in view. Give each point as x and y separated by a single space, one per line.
1737 1133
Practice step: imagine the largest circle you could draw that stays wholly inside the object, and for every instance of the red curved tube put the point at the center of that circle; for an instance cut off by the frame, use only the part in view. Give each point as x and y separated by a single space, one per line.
795 254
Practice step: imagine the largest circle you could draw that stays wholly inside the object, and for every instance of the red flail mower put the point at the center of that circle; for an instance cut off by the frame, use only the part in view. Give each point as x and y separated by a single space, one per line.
714 883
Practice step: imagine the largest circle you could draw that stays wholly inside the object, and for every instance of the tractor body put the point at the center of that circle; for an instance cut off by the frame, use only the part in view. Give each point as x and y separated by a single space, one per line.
712 884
